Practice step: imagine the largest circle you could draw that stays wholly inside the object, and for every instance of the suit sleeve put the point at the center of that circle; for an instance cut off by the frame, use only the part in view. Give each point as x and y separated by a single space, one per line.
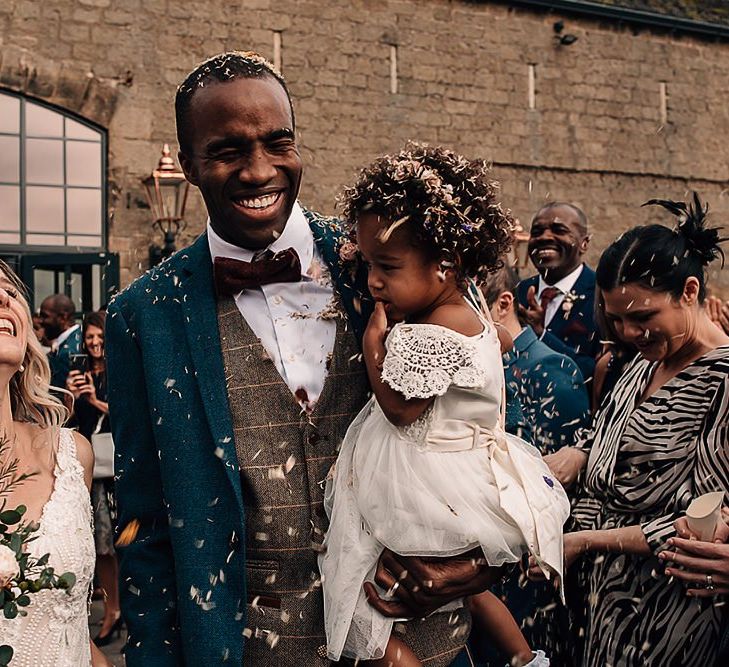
565 404
147 579
585 362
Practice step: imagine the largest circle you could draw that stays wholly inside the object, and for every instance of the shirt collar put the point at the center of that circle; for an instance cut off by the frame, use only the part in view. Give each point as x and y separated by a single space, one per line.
63 337
564 285
296 234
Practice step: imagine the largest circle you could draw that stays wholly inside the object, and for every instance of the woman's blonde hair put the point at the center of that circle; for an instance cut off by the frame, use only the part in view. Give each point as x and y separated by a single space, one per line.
30 396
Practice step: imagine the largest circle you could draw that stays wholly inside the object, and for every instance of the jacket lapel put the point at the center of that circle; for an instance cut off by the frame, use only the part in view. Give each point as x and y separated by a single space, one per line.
348 278
203 339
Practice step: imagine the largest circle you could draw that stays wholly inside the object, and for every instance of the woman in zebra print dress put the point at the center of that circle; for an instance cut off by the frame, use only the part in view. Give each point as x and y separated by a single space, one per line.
659 440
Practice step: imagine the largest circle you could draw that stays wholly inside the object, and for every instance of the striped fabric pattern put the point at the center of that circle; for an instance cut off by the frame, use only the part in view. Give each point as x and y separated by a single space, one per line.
647 461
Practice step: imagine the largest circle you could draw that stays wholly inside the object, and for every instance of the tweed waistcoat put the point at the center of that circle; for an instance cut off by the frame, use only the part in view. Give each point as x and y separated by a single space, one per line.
285 455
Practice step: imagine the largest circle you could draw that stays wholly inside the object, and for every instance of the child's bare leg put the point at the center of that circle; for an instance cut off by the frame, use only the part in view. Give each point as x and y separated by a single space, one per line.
397 654
493 617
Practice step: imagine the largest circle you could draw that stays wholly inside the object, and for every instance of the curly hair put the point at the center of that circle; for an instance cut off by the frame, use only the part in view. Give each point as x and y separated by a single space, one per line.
447 201
30 397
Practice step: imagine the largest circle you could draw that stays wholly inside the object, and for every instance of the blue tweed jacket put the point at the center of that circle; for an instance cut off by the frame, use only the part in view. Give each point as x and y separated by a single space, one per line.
182 577
551 390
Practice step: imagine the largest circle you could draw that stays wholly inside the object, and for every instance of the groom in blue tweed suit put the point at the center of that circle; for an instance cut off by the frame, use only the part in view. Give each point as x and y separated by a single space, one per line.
233 374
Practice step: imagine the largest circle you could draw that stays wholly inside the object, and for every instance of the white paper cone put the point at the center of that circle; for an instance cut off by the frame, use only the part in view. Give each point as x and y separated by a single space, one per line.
703 514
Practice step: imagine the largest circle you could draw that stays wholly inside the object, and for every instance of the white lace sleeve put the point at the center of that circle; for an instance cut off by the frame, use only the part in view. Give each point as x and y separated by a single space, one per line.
423 360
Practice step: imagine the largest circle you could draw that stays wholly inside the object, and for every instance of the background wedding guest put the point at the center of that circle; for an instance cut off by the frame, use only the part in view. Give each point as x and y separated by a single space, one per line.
658 441
91 410
57 313
548 384
40 333
558 302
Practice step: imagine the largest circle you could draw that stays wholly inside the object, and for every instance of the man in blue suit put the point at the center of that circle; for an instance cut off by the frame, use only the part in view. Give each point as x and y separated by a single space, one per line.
558 303
57 314
234 373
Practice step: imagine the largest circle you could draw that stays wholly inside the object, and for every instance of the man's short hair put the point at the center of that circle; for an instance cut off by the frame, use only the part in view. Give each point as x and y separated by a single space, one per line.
220 69
62 304
578 211
503 280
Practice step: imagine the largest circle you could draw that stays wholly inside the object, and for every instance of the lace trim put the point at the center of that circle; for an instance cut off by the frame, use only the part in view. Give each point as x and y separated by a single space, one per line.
418 430
423 360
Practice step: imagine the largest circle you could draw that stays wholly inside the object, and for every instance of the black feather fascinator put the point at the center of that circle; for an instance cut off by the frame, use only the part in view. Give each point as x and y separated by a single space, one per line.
692 217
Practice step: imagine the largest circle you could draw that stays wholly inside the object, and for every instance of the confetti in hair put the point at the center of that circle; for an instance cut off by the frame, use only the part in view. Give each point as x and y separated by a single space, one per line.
448 202
222 68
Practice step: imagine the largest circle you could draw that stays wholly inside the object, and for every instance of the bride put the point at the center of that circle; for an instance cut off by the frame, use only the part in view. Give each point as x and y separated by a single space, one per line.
55 631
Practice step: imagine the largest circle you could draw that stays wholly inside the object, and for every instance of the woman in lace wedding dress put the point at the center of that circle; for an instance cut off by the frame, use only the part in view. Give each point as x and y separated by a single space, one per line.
54 632
426 468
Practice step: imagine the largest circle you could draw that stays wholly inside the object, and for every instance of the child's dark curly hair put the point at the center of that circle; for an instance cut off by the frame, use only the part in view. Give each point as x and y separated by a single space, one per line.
447 201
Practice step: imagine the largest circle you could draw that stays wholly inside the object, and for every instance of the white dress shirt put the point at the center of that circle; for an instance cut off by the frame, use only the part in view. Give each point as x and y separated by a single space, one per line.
285 316
55 344
564 286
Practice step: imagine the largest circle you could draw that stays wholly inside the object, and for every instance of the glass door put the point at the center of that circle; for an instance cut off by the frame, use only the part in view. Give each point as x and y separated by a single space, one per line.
90 279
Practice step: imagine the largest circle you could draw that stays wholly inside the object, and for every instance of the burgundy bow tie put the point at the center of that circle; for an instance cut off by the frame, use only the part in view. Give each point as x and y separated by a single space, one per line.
234 275
549 294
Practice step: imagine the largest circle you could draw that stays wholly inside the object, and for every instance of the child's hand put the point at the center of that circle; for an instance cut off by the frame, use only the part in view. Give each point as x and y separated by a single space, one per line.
373 342
377 325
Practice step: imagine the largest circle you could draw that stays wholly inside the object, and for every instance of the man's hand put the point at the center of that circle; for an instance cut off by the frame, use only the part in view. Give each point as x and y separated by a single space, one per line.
718 312
700 559
420 586
566 464
533 313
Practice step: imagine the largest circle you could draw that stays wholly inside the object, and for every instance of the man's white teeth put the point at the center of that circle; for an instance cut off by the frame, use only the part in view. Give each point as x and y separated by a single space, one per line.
7 327
260 202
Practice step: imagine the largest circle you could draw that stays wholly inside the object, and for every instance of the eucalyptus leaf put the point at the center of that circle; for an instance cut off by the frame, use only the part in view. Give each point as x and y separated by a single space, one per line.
10 517
67 580
6 655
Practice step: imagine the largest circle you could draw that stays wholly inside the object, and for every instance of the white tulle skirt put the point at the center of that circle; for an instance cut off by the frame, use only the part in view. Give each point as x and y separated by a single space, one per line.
459 487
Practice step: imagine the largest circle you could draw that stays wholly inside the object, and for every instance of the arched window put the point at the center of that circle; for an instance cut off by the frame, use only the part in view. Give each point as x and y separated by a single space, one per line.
52 178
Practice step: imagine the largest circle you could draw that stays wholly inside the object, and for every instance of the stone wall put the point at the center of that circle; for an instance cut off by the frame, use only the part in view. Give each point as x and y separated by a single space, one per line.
618 117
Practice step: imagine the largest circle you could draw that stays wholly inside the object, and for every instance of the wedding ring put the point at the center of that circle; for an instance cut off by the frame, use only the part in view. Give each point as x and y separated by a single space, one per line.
709 583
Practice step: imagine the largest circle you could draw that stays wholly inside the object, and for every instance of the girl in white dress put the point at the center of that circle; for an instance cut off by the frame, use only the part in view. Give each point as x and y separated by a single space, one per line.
426 468
55 631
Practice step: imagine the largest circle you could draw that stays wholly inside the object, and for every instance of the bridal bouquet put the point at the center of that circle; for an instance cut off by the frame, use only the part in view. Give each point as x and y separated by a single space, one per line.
21 574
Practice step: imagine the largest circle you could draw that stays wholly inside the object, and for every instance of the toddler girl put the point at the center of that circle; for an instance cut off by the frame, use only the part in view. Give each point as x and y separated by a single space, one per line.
426 468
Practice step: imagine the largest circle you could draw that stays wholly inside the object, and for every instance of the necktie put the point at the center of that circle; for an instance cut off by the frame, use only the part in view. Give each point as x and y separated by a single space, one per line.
234 275
548 296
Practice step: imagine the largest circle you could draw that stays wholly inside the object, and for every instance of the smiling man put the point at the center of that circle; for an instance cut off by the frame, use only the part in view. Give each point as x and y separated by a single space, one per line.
234 372
558 303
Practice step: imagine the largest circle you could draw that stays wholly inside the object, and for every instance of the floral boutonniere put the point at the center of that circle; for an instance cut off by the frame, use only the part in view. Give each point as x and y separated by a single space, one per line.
569 301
